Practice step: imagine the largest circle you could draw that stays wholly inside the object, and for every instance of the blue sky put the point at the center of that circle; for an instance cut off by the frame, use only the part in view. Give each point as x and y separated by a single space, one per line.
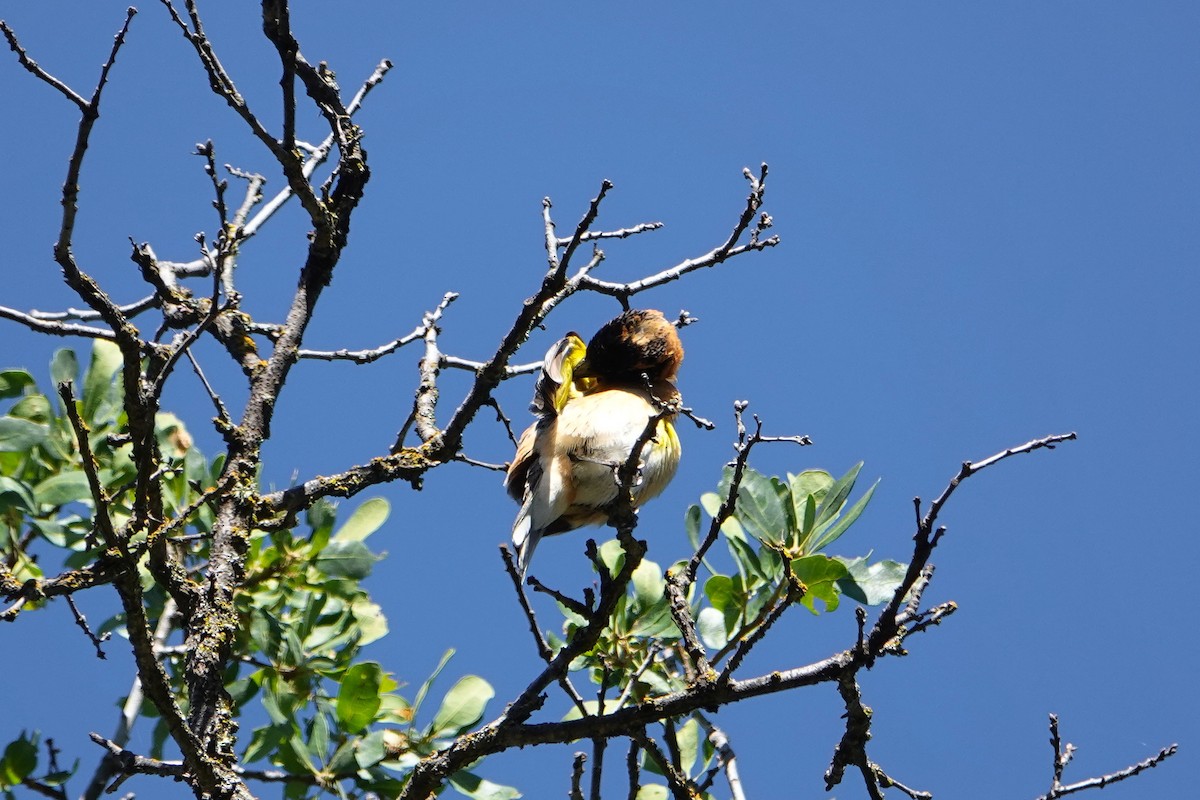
989 224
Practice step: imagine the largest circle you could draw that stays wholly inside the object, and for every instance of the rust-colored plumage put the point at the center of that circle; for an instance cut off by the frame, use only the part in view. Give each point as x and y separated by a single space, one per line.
592 406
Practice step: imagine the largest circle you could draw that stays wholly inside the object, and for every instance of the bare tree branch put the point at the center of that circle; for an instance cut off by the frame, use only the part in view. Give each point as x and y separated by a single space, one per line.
82 622
41 325
725 754
926 537
36 70
130 711
719 254
1062 757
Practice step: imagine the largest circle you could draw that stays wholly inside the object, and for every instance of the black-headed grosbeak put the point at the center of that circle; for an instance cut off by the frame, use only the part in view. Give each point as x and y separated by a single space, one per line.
592 404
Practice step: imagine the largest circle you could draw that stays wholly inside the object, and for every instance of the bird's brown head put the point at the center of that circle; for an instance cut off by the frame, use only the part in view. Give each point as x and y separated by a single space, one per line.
637 342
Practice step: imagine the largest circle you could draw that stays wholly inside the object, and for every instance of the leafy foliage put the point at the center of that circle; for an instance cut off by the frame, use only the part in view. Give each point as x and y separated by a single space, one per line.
330 715
775 538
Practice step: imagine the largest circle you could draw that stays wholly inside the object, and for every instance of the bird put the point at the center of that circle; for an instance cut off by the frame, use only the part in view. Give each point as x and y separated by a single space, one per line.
592 403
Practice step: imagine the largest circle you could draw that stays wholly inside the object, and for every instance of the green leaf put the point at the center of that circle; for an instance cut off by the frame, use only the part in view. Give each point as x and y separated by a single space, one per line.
818 569
592 707
13 382
20 760
612 556
691 524
719 590
16 494
298 749
33 407
728 595
871 584
370 750
814 483
358 696
820 575
366 519
688 738
463 706
761 506
320 516
278 702
158 738
731 527
66 487
480 789
346 559
265 741
266 632
372 624
710 624
64 367
99 388
342 760
318 739
746 557
810 517
424 688
655 622
242 690
837 495
18 435
648 583
824 538
652 791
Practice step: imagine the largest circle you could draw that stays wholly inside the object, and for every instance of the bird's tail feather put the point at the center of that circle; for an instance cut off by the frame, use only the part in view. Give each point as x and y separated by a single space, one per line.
524 538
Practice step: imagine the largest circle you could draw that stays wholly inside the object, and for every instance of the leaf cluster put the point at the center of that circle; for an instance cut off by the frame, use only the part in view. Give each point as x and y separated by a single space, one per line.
776 539
45 498
332 718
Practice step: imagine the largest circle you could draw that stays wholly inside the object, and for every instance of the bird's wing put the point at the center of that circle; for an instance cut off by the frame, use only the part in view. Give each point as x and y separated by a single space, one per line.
554 388
517 476
555 385
547 491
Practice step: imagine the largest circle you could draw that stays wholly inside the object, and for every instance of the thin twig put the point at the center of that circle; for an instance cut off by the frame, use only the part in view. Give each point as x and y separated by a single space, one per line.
577 762
510 371
35 69
223 86
582 228
631 683
425 404
130 710
719 254
927 536
252 197
632 767
82 622
365 356
621 233
465 459
103 519
725 755
571 603
130 310
544 651
1064 752
503 420
680 785
223 419
55 328
205 150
